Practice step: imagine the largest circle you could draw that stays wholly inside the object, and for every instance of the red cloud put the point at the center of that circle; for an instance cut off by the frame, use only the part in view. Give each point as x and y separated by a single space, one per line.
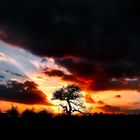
100 102
89 99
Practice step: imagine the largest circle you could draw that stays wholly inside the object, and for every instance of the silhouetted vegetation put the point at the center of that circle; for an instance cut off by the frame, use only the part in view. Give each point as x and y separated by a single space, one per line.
44 120
13 111
71 94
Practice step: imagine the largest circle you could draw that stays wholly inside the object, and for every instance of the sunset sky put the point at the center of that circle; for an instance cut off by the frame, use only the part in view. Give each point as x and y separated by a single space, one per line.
47 45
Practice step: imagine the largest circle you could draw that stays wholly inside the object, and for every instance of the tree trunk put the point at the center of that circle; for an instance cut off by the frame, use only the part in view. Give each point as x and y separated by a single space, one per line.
70 108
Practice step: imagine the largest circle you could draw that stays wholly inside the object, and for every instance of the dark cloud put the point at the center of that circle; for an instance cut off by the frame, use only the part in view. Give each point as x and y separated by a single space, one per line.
26 93
118 96
99 78
14 73
132 111
2 77
115 109
62 75
80 68
117 85
7 71
110 109
71 78
103 35
58 73
17 74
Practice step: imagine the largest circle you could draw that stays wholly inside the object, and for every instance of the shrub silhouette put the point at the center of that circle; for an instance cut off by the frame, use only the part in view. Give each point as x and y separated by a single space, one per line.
13 111
29 113
44 114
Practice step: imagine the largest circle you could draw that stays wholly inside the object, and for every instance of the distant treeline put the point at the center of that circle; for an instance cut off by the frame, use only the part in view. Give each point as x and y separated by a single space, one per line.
43 120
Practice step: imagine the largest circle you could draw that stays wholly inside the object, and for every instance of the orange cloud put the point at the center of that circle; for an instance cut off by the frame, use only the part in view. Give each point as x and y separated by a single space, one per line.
100 102
89 99
110 109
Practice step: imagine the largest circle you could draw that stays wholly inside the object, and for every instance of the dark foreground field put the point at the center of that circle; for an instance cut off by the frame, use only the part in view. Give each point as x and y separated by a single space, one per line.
43 121
44 126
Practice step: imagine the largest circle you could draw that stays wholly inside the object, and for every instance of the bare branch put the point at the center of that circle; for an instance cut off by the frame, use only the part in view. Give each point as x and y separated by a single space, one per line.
76 110
78 104
64 107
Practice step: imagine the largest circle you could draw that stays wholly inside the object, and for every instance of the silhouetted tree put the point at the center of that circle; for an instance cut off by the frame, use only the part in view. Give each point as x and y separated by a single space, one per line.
13 111
71 94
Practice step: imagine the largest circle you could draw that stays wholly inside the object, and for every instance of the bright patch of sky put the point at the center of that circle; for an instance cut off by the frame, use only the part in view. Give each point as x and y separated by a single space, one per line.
17 63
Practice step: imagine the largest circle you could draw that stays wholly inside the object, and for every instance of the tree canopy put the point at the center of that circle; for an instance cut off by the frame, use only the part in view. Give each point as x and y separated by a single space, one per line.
70 94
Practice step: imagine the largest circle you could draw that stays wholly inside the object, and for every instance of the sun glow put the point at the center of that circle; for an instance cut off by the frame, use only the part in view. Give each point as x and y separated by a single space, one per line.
48 85
33 68
127 98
